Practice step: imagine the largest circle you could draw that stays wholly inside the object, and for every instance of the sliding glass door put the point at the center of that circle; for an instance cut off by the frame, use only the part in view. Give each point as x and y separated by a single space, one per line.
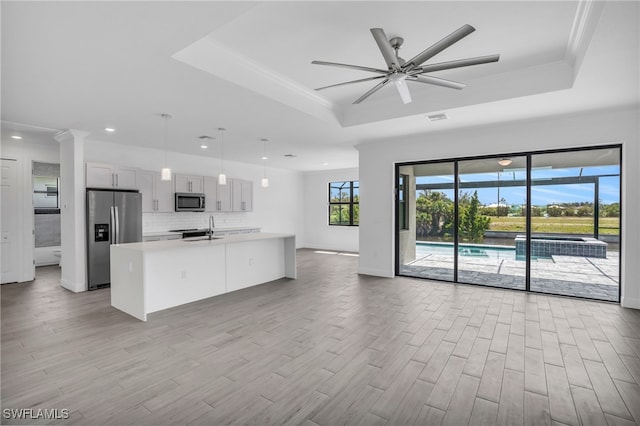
546 222
492 203
426 197
575 235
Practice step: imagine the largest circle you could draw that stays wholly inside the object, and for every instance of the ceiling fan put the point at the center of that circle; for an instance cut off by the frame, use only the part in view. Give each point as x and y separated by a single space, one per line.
400 71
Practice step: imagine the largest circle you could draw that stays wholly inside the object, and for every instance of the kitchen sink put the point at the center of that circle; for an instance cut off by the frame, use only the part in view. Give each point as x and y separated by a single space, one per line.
190 240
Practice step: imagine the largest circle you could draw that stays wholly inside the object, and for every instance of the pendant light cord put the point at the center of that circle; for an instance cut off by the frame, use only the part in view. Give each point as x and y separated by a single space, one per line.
166 144
222 149
264 158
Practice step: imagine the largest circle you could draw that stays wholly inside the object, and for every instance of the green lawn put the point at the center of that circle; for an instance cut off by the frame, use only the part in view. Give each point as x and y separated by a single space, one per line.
558 225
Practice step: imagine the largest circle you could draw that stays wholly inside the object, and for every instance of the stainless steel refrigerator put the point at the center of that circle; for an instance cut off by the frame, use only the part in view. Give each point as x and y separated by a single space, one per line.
113 217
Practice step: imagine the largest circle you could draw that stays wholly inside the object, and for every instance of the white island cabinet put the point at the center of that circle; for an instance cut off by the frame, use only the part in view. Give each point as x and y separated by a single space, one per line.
148 277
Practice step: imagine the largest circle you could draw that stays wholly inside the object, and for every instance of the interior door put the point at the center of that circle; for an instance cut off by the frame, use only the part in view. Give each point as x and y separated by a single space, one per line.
129 210
8 232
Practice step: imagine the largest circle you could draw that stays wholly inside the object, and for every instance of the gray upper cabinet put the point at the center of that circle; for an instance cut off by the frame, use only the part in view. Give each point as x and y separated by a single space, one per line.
100 175
188 183
217 197
157 195
242 195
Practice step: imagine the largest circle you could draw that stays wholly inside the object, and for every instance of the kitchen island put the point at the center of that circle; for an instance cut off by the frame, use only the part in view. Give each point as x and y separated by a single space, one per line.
151 276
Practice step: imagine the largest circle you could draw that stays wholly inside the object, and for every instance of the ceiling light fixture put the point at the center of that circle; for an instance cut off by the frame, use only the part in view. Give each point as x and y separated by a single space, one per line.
109 129
222 178
265 179
16 137
204 144
505 161
165 172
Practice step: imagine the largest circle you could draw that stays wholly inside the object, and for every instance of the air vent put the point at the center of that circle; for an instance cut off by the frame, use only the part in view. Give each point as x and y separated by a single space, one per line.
437 117
290 155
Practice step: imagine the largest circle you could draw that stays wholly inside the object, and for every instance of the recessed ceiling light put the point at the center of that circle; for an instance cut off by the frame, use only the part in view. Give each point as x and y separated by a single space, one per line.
204 146
290 155
325 164
264 158
16 137
109 129
437 117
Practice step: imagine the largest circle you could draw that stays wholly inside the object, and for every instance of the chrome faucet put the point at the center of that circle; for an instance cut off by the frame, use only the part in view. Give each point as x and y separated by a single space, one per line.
211 226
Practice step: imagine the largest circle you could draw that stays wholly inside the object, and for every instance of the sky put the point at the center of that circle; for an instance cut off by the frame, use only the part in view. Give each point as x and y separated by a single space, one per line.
541 195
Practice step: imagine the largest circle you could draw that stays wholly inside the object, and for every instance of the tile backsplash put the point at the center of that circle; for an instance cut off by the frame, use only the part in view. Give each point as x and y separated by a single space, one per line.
159 222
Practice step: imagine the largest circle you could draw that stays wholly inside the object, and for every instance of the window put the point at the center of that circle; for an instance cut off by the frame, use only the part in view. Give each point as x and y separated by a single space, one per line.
344 207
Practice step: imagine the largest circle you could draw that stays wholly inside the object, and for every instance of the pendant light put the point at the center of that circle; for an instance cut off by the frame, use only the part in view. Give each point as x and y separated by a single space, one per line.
165 172
265 179
505 161
222 178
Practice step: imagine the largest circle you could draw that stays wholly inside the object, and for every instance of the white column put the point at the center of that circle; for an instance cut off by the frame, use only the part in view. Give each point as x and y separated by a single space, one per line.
72 210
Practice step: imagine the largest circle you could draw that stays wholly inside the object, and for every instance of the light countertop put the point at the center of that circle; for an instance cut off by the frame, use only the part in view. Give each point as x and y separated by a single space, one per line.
161 234
201 241
215 229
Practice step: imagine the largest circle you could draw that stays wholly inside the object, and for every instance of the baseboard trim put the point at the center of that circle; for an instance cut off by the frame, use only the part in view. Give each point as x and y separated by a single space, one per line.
375 272
327 248
70 286
629 302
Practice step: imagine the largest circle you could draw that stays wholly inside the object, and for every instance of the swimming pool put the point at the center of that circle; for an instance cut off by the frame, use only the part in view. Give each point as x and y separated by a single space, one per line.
466 250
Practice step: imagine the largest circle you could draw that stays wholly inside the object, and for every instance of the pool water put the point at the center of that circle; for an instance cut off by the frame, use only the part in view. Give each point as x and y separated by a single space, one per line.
466 250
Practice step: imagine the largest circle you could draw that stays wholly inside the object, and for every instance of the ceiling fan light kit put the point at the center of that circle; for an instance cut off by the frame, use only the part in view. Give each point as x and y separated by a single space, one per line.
400 71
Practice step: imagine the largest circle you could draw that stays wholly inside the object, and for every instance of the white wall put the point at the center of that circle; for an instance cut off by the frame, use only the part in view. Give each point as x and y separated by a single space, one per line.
275 209
25 152
377 159
317 232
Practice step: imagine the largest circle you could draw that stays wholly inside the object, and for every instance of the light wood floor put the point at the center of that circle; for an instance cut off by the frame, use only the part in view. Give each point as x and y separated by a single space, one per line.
329 348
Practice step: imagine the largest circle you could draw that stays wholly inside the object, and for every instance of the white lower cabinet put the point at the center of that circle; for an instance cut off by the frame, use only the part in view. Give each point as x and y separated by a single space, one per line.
149 277
254 262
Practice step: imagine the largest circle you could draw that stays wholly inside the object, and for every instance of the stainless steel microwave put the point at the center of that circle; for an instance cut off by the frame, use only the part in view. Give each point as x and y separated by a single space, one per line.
189 202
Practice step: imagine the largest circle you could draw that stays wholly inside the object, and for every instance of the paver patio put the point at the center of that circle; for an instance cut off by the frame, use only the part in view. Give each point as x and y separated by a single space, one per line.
565 275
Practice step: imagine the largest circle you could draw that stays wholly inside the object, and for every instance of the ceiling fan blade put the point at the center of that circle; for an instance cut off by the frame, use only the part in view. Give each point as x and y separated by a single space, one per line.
372 91
438 47
456 64
436 81
403 90
351 82
385 48
353 67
